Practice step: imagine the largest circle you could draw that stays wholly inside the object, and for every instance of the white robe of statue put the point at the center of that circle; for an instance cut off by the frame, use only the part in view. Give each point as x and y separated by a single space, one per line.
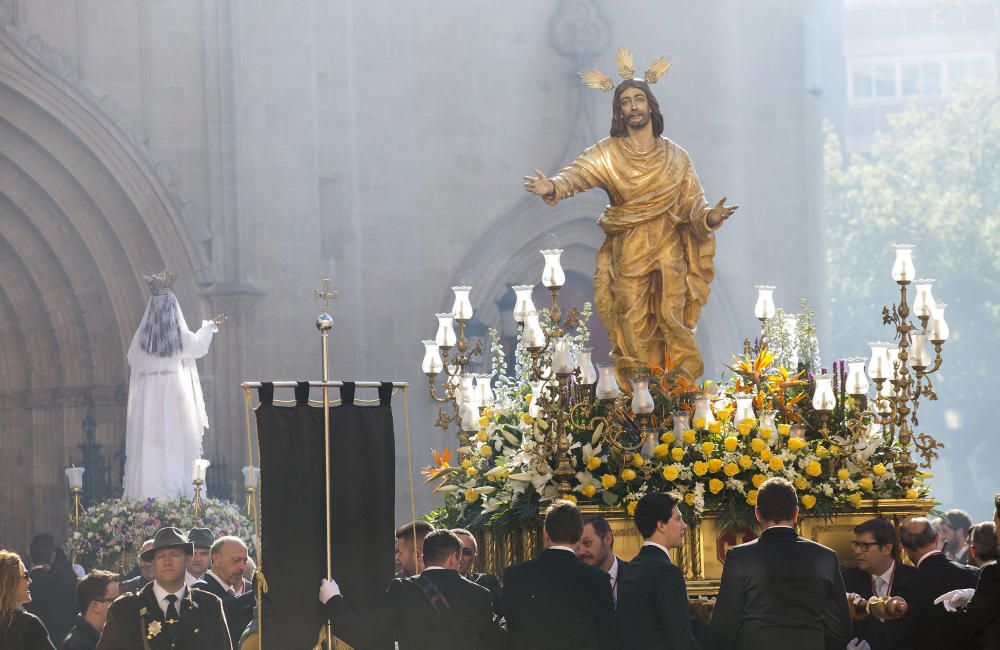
166 415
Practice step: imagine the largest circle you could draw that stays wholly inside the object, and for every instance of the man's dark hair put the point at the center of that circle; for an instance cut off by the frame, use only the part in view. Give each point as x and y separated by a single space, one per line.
422 528
996 505
463 531
777 500
654 508
923 536
882 531
42 548
439 545
958 519
600 524
983 539
618 123
92 587
563 522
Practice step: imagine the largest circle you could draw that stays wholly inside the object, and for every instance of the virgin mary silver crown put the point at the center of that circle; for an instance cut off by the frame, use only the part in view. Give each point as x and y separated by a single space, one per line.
160 283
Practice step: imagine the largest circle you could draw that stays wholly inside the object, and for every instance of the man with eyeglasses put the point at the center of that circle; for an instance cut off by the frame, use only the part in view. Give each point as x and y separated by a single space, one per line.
94 594
878 574
470 550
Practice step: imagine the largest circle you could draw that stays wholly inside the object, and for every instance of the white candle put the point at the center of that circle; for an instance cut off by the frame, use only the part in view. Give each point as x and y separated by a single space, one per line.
198 469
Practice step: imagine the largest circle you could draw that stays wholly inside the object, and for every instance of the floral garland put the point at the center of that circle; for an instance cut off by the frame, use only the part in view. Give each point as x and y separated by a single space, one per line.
111 532
716 462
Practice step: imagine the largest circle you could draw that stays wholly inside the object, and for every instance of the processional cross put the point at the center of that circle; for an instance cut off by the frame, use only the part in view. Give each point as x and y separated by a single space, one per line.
325 295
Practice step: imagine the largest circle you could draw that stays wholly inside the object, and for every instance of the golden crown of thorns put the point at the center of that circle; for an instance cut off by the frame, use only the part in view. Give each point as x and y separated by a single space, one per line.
623 58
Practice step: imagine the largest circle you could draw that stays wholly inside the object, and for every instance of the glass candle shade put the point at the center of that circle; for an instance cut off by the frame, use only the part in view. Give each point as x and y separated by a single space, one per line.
857 382
432 363
744 409
462 307
483 390
553 276
879 366
607 385
588 373
532 336
764 308
937 329
251 479
198 469
823 398
902 268
75 477
703 410
562 357
923 302
642 399
682 422
523 305
445 336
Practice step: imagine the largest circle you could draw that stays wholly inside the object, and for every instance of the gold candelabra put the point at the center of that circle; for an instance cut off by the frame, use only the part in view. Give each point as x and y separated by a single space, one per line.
197 496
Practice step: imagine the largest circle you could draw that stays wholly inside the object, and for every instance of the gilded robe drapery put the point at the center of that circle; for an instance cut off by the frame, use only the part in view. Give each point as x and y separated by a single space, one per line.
653 271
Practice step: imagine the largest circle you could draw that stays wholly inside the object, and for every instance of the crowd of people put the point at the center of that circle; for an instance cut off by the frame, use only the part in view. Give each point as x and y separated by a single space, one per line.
194 590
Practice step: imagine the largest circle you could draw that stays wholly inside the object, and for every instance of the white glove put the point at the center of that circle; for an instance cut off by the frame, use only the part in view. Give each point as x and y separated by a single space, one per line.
953 600
858 644
328 589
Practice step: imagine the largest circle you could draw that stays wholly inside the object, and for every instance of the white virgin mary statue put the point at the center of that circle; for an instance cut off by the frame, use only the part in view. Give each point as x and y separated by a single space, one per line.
166 411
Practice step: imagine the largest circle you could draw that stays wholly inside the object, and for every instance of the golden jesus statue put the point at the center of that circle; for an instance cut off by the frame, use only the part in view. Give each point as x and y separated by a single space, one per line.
652 273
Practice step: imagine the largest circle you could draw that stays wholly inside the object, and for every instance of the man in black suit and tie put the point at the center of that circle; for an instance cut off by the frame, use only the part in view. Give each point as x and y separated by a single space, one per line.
556 601
929 626
781 590
438 609
166 614
597 548
877 574
653 607
470 550
225 580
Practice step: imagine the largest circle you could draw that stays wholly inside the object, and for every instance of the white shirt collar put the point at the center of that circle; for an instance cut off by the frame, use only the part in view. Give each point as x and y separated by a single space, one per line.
927 555
659 546
613 571
189 579
887 576
434 568
559 547
161 596
225 585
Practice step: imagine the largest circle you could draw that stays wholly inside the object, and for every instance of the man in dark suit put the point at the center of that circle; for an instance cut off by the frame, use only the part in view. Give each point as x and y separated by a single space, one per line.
225 580
597 548
980 616
877 574
53 588
653 608
202 539
439 609
145 571
556 601
94 595
470 550
166 613
780 590
928 625
409 559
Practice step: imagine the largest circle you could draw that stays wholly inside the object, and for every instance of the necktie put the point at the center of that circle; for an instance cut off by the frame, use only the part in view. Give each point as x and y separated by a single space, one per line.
881 586
614 589
172 615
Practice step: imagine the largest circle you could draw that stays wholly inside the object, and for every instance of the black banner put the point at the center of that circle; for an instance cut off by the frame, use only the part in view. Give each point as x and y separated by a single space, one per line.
293 498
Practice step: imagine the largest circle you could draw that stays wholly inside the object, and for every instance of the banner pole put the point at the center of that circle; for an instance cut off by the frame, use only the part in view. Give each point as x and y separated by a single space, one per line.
324 323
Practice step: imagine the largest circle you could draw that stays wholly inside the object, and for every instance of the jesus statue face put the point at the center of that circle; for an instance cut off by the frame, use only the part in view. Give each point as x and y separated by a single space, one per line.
634 108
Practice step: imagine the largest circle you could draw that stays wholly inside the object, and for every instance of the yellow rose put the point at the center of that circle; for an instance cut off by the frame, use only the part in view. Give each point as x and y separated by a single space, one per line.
593 463
715 427
661 450
866 484
725 413
715 486
731 469
699 468
750 422
808 501
608 481
879 469
471 495
912 494
757 480
630 508
744 429
482 436
795 444
784 429
745 461
677 454
670 473
765 454
821 451
814 469
707 448
714 465
757 445
484 422
843 474
752 497
588 490
638 460
486 413
699 423
855 499
527 419
689 499
466 463
689 437
777 464
765 432
730 443
801 483
667 437
471 471
486 451
628 475
569 497
835 450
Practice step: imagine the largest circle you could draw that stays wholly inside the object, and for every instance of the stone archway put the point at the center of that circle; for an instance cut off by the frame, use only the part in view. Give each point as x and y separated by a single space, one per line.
83 213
